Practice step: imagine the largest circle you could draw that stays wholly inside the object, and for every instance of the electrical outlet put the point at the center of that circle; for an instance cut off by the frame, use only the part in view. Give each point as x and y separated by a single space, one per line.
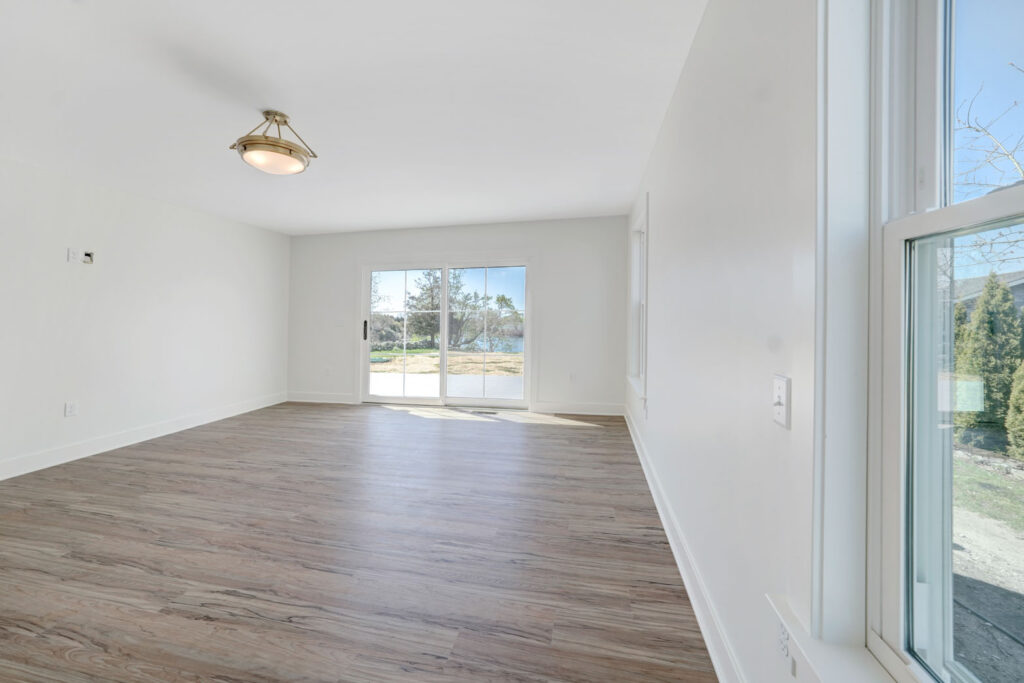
70 408
783 640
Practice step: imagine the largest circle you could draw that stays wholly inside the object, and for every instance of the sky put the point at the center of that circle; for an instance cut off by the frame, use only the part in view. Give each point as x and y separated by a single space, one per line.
987 39
492 282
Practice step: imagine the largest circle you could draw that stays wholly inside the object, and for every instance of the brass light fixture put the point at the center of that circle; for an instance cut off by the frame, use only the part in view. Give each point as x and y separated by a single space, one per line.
272 154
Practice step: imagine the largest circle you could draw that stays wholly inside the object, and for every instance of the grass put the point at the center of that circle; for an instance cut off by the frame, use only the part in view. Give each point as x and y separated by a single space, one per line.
398 352
418 362
989 492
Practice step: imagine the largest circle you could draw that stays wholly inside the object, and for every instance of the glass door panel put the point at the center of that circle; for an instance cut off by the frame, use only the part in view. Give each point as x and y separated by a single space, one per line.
503 373
405 333
387 353
966 424
423 355
478 354
466 364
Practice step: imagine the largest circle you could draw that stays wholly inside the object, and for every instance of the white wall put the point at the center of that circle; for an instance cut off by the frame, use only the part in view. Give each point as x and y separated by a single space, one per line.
182 319
575 316
732 183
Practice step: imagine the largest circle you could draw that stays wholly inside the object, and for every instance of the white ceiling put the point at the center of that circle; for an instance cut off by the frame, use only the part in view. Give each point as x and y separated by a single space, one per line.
424 112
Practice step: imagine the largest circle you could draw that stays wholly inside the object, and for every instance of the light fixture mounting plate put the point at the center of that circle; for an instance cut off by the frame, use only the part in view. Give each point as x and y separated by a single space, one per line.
274 116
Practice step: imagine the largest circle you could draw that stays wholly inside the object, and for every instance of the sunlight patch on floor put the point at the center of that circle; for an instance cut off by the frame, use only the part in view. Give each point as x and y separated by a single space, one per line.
487 415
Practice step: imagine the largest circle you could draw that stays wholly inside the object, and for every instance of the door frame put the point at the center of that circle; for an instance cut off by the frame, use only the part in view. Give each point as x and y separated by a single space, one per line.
444 263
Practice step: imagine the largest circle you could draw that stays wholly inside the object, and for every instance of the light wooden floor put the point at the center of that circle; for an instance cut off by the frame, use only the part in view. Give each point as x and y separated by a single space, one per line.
333 543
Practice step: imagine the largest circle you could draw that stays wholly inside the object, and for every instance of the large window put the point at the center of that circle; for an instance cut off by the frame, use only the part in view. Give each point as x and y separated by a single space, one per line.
638 306
947 554
966 449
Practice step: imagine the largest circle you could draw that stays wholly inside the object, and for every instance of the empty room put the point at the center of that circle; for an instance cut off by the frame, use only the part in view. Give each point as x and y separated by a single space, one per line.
512 340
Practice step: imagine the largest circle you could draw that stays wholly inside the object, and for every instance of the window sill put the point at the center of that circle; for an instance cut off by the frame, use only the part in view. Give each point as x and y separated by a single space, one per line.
817 661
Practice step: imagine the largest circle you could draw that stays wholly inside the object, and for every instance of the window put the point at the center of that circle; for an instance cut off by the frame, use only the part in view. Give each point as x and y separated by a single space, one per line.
987 64
966 454
946 540
638 307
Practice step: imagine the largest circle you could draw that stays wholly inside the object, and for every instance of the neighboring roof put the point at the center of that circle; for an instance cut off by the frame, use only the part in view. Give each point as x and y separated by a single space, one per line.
970 288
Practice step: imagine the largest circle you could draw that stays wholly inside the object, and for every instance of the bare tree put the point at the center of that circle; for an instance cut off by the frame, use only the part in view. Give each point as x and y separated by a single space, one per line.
994 162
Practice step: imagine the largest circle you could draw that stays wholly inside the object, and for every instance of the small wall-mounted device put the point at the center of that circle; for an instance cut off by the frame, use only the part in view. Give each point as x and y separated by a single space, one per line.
79 256
780 400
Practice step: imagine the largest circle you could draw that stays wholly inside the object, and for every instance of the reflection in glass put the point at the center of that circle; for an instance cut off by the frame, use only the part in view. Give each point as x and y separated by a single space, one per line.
967 454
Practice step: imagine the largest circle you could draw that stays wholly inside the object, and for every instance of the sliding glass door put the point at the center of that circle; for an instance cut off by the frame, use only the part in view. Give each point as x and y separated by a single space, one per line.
447 335
404 333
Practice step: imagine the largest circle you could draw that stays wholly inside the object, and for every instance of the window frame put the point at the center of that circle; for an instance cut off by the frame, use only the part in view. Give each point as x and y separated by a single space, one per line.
446 262
912 190
639 250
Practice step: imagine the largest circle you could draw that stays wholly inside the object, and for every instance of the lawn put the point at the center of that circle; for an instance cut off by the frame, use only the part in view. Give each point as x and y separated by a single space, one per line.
989 491
428 361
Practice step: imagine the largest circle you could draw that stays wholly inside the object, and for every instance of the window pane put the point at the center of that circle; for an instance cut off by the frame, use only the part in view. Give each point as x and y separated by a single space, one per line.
387 354
966 433
423 290
466 289
506 288
466 344
504 360
988 82
387 290
423 355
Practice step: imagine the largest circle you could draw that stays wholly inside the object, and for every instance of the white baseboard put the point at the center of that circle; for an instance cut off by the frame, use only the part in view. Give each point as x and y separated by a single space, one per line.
30 462
321 397
577 408
722 656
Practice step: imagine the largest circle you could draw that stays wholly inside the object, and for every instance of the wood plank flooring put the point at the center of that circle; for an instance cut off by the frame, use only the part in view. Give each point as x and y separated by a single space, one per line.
347 543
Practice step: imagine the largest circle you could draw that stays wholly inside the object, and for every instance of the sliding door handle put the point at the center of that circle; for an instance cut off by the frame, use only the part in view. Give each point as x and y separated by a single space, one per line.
364 330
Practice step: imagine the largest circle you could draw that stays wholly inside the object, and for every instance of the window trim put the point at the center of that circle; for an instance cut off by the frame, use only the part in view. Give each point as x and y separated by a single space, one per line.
637 341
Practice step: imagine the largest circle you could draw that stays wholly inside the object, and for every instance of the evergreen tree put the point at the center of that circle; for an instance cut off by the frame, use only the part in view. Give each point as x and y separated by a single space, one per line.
1015 415
990 349
427 298
959 323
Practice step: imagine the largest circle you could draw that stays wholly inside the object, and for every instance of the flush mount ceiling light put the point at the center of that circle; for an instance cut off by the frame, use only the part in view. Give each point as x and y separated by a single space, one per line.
272 154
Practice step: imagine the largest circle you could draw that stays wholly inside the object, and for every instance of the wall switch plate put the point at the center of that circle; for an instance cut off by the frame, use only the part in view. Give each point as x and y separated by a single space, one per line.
780 400
70 409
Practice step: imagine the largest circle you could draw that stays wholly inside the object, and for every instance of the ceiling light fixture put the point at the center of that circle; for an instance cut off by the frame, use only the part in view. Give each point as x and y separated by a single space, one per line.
272 154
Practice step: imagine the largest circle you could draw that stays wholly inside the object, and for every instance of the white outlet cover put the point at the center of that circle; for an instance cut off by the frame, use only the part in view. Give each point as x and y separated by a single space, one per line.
70 409
781 399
